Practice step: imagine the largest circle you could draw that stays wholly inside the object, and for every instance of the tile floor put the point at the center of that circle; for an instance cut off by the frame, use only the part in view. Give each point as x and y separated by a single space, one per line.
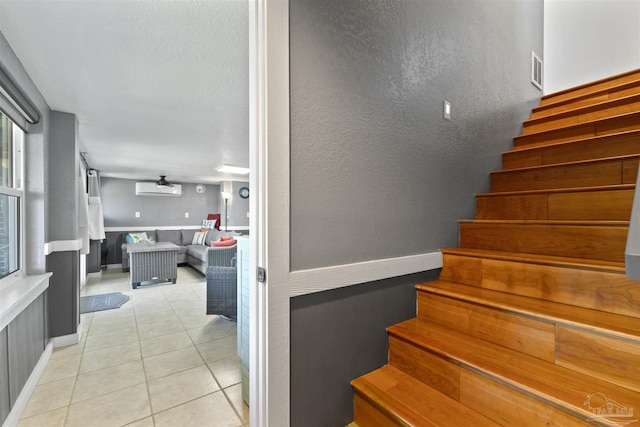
156 361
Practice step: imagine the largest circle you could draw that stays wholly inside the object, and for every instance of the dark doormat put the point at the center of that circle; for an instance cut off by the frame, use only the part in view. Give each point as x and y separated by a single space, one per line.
102 302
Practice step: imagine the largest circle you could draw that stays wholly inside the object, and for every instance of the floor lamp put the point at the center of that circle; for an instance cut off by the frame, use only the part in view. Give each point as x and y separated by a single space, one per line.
226 196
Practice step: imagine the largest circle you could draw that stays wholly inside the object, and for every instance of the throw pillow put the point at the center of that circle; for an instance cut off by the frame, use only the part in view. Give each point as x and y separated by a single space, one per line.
139 237
203 229
208 223
199 238
222 239
217 218
230 242
128 238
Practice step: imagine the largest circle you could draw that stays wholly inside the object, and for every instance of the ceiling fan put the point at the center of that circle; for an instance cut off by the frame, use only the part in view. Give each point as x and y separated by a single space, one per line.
162 182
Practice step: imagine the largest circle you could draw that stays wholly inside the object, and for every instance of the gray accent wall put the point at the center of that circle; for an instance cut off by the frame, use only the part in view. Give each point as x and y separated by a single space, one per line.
339 335
120 203
63 176
371 156
377 172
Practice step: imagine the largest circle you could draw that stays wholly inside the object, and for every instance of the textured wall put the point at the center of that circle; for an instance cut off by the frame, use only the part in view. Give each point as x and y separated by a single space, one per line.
339 335
119 204
376 172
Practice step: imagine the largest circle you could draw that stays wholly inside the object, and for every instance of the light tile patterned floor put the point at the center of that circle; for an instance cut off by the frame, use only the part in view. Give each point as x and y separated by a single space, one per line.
156 361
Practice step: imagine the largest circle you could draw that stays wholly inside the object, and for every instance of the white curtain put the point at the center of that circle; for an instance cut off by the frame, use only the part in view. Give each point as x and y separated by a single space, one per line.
83 215
96 219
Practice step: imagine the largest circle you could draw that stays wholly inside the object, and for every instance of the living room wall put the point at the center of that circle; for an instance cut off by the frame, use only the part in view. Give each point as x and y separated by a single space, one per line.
120 203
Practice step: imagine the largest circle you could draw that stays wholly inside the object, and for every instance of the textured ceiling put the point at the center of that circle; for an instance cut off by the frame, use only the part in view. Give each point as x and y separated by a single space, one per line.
159 87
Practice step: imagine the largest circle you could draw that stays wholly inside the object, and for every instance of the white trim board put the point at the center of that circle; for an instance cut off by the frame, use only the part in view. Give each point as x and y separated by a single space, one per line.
152 228
19 295
168 227
305 282
62 246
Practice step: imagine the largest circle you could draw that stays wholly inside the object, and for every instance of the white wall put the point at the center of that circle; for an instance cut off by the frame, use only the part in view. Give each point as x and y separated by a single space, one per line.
587 40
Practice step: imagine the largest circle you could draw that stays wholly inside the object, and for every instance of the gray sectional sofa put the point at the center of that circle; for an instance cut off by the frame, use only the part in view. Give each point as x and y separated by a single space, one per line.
193 255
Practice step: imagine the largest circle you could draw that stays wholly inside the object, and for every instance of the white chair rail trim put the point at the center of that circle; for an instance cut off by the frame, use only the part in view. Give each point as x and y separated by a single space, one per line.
62 246
305 282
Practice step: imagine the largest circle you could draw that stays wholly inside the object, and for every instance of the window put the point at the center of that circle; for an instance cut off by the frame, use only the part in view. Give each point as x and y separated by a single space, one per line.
11 194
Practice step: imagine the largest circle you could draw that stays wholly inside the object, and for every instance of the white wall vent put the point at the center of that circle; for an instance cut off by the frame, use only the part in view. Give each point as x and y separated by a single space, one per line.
152 189
536 70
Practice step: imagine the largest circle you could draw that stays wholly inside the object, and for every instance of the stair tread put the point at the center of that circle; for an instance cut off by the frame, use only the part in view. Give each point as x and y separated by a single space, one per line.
565 164
556 385
592 122
540 146
414 403
582 87
560 190
582 109
550 260
600 321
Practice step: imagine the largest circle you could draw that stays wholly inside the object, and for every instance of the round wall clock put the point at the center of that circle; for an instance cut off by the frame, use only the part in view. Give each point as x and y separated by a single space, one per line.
244 192
200 188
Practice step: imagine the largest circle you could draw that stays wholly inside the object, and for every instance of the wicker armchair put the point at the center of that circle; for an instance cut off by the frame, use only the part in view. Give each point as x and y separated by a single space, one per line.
222 286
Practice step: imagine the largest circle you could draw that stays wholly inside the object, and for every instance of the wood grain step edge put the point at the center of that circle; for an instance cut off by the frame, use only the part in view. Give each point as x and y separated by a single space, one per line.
568 164
545 99
561 222
518 140
407 415
547 260
600 322
544 110
616 187
542 146
582 110
563 388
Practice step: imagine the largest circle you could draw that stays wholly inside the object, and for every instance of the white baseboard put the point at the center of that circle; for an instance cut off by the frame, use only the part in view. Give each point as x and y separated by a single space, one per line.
25 395
65 340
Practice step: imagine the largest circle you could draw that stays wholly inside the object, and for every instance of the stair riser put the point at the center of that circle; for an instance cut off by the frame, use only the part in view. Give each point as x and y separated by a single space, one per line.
612 205
592 174
605 357
583 288
599 148
628 89
608 126
632 78
611 109
509 407
590 242
519 333
602 355
475 394
366 414
428 368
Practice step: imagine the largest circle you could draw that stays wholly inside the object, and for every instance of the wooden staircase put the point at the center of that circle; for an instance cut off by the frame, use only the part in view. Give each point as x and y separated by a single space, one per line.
533 321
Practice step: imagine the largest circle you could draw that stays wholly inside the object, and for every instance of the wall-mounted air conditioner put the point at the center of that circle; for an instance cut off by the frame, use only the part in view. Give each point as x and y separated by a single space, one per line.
152 189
